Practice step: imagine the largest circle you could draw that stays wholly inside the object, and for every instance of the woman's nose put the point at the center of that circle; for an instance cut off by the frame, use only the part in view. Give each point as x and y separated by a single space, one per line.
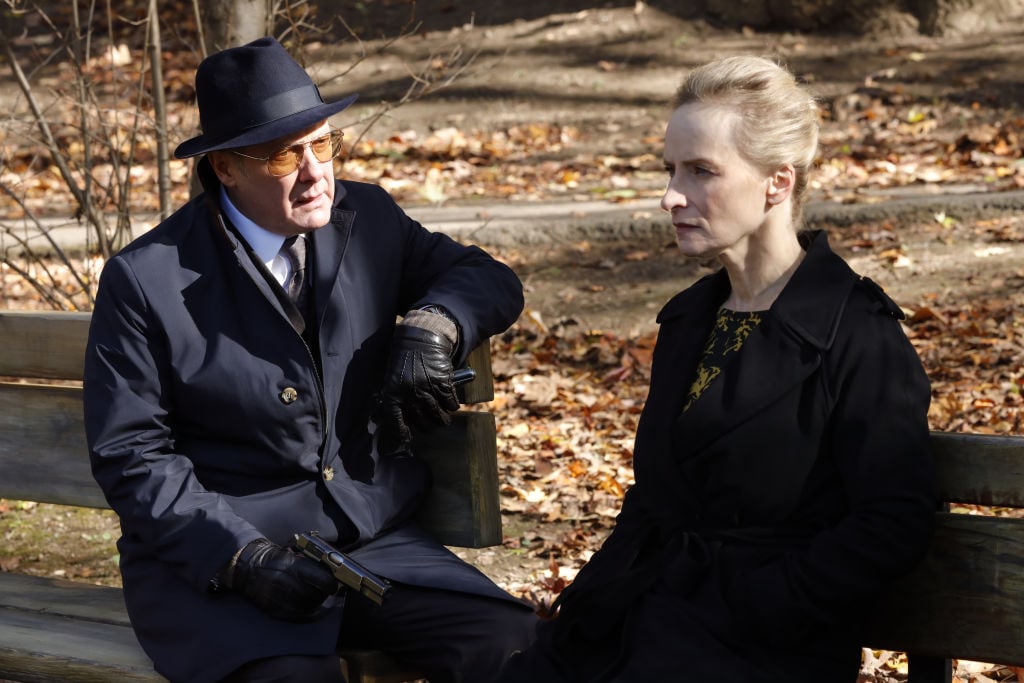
673 197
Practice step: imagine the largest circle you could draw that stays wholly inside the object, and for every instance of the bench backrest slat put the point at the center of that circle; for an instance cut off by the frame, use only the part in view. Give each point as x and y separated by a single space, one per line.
980 470
964 601
44 458
43 454
51 345
43 345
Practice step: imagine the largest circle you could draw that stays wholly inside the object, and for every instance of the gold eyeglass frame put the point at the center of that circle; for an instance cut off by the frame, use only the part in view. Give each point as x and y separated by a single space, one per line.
298 151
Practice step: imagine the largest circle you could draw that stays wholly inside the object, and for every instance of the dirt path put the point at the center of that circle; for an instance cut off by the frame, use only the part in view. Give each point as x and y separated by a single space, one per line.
609 73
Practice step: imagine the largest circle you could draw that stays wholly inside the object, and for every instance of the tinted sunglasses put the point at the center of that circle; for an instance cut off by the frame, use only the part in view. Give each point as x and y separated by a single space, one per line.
287 159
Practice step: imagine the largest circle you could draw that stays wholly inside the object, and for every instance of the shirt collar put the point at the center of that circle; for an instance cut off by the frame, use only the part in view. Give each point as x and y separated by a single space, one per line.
265 244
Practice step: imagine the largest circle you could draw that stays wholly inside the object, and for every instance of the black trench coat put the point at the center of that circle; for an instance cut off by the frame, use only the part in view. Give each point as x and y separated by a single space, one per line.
209 425
765 518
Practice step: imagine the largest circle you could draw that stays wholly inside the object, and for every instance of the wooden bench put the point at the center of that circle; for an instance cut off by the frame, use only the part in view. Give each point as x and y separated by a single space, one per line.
59 630
966 600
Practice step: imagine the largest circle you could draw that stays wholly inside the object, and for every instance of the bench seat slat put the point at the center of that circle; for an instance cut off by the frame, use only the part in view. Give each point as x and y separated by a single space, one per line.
965 598
42 648
55 629
62 597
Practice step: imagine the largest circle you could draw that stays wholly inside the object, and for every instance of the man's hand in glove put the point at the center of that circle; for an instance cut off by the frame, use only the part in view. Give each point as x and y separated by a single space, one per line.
417 393
281 582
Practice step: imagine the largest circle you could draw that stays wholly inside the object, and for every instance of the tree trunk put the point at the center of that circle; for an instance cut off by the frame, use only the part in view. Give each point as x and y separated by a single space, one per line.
964 17
227 23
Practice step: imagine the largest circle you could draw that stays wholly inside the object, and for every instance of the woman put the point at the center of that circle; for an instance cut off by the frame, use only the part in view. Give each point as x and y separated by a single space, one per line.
783 475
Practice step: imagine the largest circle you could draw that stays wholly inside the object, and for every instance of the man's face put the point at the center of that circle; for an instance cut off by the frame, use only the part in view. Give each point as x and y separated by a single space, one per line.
287 205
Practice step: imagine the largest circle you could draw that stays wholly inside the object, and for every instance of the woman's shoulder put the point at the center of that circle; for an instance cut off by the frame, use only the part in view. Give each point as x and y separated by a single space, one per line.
872 296
705 294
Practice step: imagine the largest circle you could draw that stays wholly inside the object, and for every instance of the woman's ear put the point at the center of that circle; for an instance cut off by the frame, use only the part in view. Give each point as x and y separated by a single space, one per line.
780 184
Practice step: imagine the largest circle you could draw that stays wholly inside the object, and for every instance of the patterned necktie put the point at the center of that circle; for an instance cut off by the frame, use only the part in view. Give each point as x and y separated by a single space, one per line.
294 251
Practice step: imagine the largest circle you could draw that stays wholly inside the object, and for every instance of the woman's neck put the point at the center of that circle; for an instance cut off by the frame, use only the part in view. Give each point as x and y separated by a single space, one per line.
759 278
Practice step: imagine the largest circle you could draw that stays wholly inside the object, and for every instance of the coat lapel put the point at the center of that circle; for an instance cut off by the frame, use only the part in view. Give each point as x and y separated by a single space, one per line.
243 254
769 365
259 274
329 245
779 354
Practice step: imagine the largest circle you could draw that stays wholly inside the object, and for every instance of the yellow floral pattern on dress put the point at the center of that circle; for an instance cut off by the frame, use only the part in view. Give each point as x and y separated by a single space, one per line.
730 330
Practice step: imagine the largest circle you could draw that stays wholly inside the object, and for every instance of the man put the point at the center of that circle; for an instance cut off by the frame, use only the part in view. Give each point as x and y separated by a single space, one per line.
238 392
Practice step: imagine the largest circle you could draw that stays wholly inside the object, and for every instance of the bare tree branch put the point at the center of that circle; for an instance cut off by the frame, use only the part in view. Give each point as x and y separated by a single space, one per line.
32 255
160 111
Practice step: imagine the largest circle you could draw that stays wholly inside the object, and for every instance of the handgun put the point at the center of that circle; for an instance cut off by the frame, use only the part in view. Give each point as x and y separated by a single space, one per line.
347 571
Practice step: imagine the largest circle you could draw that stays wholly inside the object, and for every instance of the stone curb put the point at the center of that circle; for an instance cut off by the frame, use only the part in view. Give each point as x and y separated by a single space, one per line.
525 224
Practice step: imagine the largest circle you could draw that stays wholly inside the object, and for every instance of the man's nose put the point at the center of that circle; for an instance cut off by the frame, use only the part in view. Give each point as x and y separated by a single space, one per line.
310 166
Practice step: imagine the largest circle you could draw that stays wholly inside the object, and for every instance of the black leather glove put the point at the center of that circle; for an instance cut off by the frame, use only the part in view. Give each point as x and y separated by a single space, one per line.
417 393
280 582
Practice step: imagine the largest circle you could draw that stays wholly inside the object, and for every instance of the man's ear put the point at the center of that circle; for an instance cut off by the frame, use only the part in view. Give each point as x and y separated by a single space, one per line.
226 166
781 184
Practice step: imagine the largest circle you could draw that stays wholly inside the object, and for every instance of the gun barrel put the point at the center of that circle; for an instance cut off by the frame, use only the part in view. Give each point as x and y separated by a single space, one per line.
347 571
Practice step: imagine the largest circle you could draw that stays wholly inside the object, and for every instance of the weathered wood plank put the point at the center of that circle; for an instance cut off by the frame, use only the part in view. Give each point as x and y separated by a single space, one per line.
966 600
44 457
462 508
42 648
979 469
481 389
52 608
49 345
43 453
60 597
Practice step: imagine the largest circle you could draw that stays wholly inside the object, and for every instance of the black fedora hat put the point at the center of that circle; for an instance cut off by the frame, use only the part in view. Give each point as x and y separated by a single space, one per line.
252 94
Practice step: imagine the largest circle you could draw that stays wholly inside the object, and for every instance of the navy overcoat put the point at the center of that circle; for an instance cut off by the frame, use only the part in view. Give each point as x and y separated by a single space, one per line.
209 424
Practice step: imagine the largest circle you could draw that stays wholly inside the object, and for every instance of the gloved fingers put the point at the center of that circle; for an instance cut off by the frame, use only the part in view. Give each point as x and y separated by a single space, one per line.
315 575
432 389
444 394
449 401
424 412
282 582
394 434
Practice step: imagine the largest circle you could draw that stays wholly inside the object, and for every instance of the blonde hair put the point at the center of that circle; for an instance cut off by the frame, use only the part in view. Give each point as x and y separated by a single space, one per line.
778 119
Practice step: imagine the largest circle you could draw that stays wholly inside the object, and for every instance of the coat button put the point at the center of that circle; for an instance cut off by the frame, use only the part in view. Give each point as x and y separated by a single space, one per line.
288 395
328 473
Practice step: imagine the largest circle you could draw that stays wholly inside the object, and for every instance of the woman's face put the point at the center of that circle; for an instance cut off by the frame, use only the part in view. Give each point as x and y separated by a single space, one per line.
718 199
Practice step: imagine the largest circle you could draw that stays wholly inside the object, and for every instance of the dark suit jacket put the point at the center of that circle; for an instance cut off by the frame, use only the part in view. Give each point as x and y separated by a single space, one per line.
209 425
782 501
